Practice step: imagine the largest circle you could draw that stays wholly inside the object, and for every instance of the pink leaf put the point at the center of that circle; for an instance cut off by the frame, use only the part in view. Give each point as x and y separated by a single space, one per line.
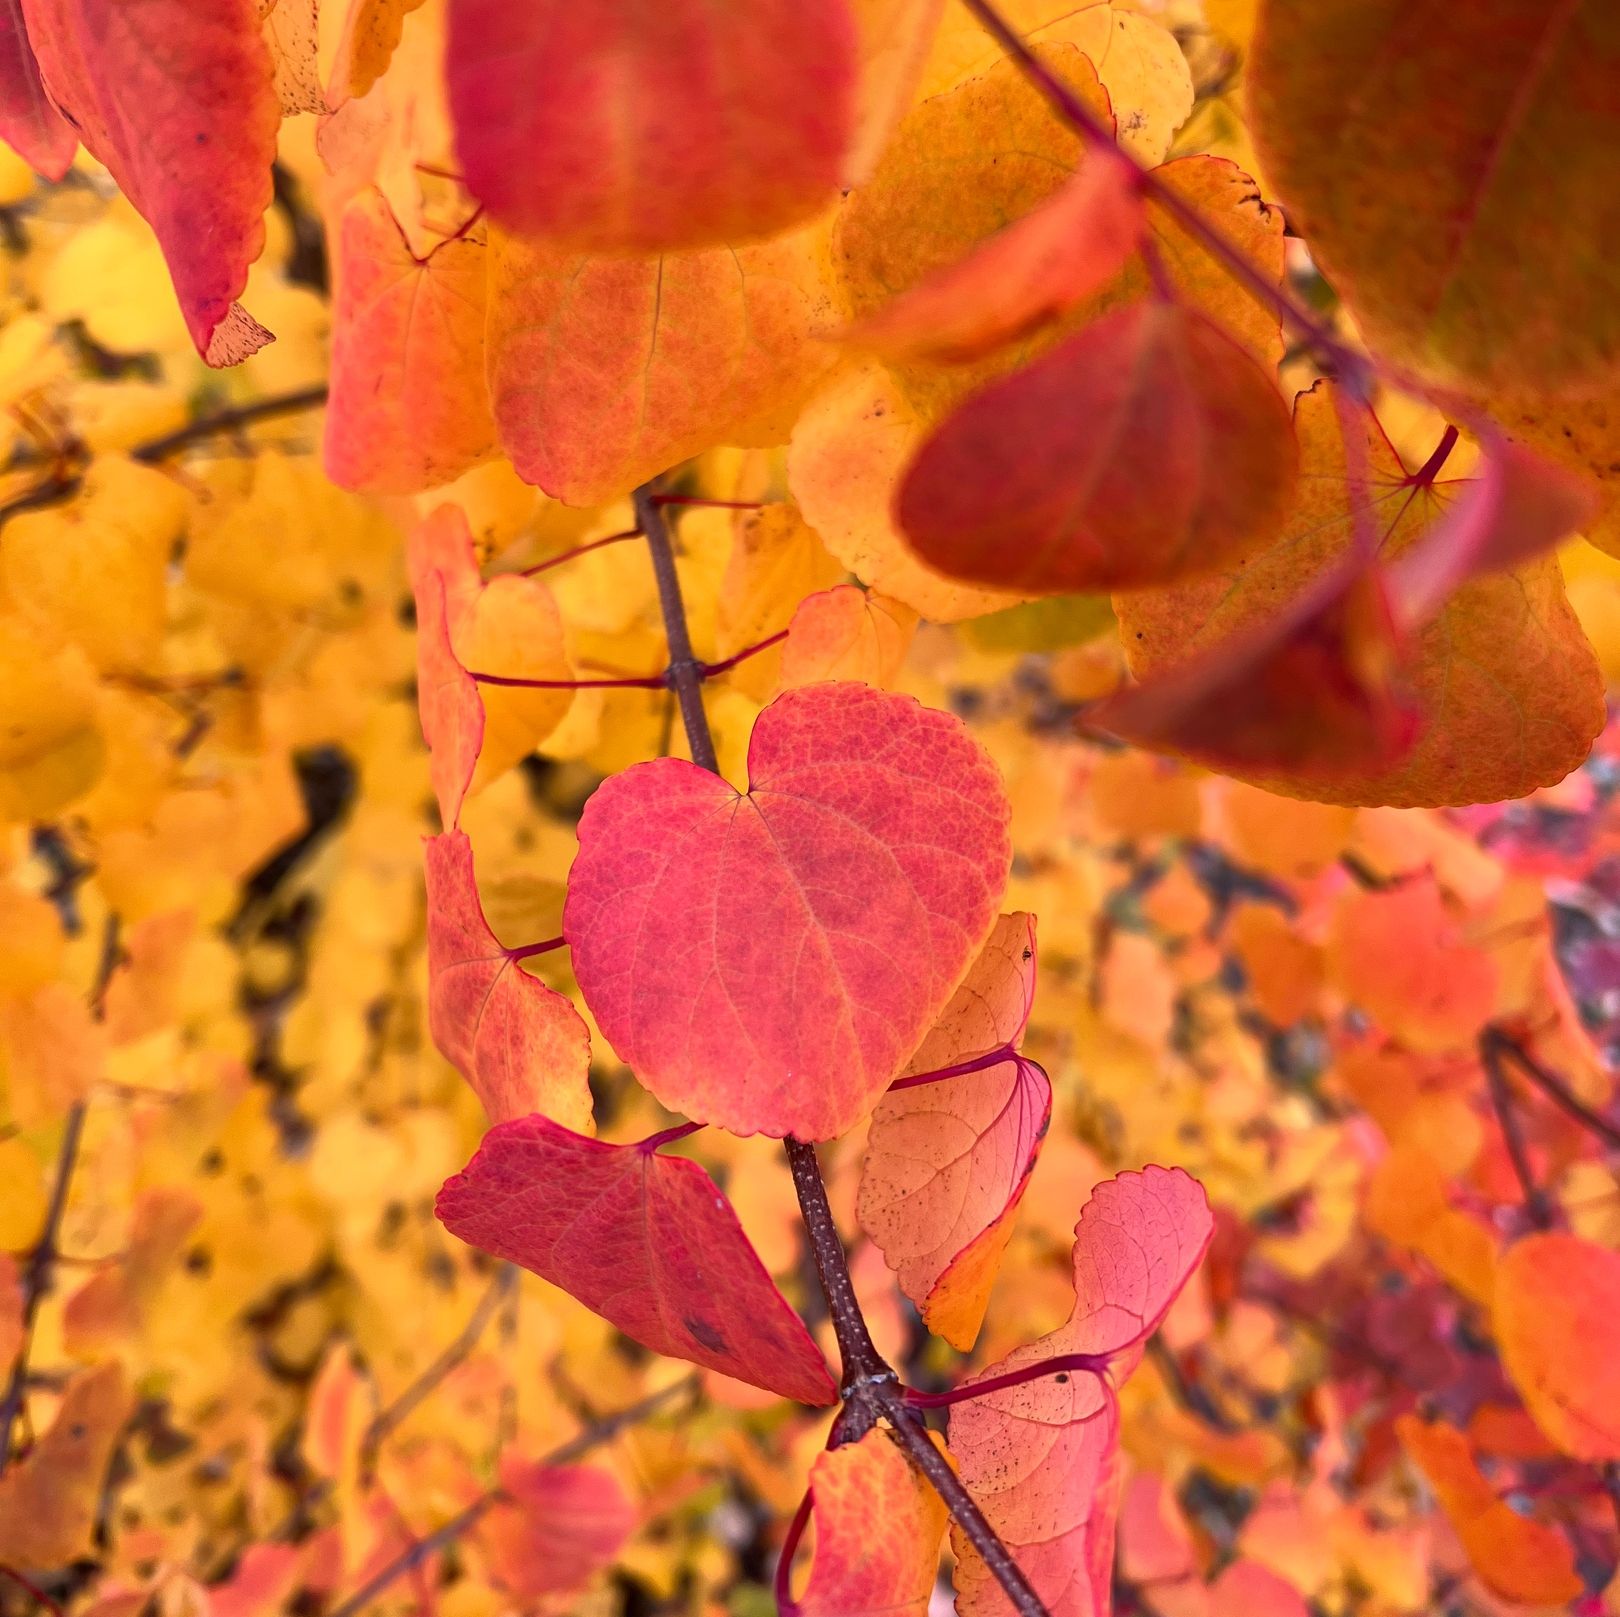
29 121
520 1045
447 696
767 960
645 1240
556 1527
1041 1458
179 101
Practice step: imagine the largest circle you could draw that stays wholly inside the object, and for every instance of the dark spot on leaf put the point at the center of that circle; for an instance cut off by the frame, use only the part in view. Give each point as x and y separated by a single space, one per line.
705 1333
1061 1376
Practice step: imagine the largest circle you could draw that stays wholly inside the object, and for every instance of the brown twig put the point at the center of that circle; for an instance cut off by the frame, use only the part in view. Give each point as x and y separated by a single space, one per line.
390 1419
441 1537
1536 1206
71 459
1551 1085
870 1388
1353 368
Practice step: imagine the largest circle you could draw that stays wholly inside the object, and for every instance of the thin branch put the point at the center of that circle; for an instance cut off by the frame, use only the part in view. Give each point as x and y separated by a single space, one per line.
28 1586
442 1537
36 1278
390 1419
1354 369
71 458
640 682
685 671
1552 1086
871 1389
1536 1206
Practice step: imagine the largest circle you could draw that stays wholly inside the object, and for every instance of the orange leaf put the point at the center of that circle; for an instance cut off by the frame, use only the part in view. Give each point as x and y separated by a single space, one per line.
555 1526
1401 958
605 371
1304 700
521 1045
1518 507
1147 448
645 1240
179 103
1505 658
1517 105
859 1572
1518 1559
50 1499
1557 1319
114 1302
29 120
1041 1458
682 125
947 1161
408 407
1053 258
870 853
847 633
371 33
452 715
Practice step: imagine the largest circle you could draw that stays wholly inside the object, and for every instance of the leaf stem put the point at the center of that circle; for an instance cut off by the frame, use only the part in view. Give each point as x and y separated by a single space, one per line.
529 950
640 682
580 550
782 1583
1354 369
1536 1207
1551 1085
727 664
1059 1365
991 1058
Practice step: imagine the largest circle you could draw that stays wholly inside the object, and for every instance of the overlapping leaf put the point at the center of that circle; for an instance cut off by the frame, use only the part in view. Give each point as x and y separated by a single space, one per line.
520 1044
1557 1319
605 371
678 126
408 407
181 106
644 1239
1519 1559
947 1161
847 633
29 120
554 1526
870 851
878 1530
1041 1458
1517 104
1502 680
1147 448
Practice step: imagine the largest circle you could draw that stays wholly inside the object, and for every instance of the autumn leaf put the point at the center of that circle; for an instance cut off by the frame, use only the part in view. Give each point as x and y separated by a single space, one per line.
1516 104
605 371
858 1572
408 408
1519 1559
183 111
372 32
521 1045
452 715
1556 1316
948 1160
1308 701
1506 688
1041 1457
29 120
643 1239
1052 259
614 132
870 851
554 1527
1145 449
49 1500
847 633
112 1305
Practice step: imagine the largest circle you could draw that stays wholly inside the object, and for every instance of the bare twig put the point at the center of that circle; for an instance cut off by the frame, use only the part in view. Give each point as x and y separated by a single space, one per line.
463 1521
1536 1206
1551 1085
390 1419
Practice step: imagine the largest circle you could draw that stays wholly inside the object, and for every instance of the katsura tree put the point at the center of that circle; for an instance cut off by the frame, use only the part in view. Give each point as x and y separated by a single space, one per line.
1021 333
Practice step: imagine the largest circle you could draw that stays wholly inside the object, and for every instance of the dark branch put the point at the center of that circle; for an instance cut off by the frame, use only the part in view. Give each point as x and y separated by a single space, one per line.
1551 1085
1536 1206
